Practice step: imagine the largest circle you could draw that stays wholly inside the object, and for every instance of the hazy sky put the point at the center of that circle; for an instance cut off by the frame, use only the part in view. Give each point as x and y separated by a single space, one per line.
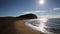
18 7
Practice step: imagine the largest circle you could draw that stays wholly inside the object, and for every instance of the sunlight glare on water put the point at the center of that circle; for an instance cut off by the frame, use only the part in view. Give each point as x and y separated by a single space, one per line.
40 22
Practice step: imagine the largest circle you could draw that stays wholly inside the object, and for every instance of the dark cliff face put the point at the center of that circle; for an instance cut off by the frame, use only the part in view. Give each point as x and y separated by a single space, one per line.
8 26
28 16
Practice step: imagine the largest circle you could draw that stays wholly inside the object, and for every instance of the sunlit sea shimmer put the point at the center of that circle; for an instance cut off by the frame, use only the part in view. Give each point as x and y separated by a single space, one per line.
49 26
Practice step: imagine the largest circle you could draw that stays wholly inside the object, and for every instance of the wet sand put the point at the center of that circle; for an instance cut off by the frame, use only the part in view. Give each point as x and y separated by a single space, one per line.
11 25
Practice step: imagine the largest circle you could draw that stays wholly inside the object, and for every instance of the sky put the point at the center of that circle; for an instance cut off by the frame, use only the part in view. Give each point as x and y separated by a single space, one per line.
19 7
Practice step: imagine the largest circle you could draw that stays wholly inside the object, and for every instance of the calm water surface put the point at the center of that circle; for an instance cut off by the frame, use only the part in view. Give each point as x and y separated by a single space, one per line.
50 26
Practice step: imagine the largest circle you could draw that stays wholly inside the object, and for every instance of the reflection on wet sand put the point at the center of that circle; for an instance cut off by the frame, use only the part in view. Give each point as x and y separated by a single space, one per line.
49 26
15 26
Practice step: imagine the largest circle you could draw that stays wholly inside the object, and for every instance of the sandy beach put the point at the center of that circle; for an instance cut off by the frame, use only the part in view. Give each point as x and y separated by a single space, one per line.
10 25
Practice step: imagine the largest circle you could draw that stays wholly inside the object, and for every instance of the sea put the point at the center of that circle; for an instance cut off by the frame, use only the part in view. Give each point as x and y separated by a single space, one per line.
45 25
